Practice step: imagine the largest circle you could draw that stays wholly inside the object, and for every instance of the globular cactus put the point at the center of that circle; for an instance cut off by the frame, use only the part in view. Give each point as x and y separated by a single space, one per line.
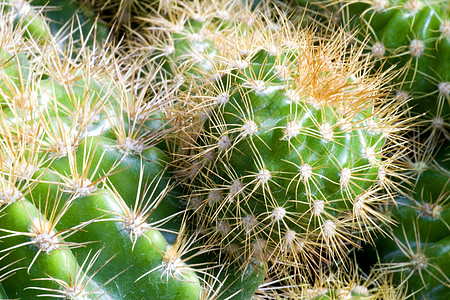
291 142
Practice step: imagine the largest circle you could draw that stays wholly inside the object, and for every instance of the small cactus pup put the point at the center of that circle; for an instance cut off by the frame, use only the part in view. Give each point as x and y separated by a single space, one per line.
295 150
418 254
412 35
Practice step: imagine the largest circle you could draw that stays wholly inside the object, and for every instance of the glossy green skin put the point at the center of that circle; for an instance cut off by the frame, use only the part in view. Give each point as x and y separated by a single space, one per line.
131 260
241 284
424 233
58 102
125 181
111 235
396 27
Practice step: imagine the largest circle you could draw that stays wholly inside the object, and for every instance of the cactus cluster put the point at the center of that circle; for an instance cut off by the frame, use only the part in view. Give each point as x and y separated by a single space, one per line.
223 150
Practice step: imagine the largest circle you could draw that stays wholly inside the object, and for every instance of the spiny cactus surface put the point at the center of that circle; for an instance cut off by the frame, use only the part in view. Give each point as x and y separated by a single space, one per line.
292 141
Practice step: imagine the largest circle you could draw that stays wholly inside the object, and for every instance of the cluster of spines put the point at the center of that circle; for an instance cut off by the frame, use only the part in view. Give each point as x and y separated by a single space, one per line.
332 283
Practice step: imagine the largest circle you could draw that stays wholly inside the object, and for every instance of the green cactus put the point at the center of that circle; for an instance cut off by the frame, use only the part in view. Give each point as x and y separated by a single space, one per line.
287 143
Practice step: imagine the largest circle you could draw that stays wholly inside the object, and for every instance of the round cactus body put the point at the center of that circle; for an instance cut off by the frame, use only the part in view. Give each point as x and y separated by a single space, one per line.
38 249
295 161
291 154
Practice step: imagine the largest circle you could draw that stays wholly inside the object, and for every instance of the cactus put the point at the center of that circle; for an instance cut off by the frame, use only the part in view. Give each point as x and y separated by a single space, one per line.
290 143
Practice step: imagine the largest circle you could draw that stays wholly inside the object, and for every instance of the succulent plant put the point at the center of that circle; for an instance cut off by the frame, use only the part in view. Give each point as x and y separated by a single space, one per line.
288 143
